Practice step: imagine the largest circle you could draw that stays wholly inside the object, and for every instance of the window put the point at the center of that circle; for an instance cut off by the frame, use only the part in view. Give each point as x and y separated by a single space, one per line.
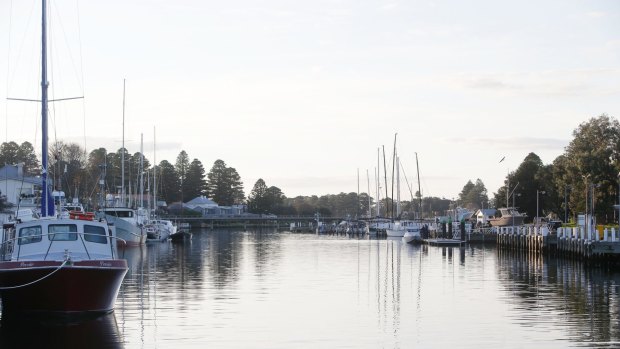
95 234
62 232
29 235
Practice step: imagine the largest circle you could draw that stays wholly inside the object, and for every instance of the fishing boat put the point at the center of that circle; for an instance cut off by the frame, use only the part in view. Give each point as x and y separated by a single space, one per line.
160 230
508 216
404 226
129 223
54 264
65 265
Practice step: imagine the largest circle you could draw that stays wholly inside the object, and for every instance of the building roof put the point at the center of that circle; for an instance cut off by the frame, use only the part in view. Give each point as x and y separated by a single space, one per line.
12 172
487 211
201 201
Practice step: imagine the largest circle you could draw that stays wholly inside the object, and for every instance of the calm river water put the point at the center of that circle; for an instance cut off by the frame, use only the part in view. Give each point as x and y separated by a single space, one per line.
267 289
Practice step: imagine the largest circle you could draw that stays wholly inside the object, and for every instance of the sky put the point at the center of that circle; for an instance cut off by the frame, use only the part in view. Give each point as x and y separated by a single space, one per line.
303 94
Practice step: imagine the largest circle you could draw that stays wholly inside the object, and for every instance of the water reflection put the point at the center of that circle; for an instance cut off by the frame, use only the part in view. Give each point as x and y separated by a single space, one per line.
564 292
30 332
270 289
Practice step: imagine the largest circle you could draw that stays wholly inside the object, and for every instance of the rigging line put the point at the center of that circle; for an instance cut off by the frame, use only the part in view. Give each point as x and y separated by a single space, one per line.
8 70
77 6
52 50
35 281
406 180
66 41
23 41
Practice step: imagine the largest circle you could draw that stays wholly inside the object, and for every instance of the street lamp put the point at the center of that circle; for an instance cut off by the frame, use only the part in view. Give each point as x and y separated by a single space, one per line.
618 198
587 230
538 192
514 208
566 188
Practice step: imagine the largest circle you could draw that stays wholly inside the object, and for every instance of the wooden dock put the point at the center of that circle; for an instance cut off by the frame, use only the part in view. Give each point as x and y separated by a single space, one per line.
573 241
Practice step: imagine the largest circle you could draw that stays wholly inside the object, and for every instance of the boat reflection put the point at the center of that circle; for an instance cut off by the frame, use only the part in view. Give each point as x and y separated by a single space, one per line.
45 332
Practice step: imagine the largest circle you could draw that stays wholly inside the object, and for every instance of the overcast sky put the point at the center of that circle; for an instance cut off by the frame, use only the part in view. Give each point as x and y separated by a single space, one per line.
303 93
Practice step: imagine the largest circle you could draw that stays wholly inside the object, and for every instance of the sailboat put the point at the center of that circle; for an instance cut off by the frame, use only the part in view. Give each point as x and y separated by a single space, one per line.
130 223
54 264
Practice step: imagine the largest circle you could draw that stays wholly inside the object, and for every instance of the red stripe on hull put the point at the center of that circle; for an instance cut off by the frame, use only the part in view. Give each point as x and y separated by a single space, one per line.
85 286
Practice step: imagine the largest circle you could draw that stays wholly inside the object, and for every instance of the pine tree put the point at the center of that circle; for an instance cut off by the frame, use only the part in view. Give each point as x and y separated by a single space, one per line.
224 184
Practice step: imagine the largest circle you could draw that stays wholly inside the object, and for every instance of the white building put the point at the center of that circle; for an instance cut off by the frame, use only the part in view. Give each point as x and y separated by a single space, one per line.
19 189
483 215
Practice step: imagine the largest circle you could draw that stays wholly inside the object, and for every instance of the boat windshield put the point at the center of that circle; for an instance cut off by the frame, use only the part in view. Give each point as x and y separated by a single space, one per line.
121 214
62 232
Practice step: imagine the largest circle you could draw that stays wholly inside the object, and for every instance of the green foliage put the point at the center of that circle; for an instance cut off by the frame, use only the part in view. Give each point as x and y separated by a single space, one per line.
181 167
169 183
224 184
474 196
195 184
265 199
12 153
589 166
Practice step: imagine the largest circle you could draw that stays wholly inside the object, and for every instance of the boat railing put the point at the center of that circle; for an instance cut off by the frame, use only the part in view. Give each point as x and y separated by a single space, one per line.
7 247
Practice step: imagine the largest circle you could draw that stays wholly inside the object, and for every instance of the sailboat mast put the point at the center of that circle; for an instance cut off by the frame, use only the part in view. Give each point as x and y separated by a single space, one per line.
387 206
154 173
47 208
393 164
141 204
397 186
123 153
368 182
378 180
419 189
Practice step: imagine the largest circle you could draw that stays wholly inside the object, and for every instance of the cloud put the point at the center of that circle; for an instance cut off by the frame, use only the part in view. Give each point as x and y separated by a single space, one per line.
524 143
559 83
597 14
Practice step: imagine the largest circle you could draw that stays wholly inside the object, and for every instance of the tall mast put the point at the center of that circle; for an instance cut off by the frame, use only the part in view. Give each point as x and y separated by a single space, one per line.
123 152
368 182
419 189
387 207
393 164
378 180
141 204
47 207
398 186
154 174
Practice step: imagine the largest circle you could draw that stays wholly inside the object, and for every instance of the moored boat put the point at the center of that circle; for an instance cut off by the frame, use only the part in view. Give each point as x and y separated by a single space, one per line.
508 216
128 222
60 265
402 227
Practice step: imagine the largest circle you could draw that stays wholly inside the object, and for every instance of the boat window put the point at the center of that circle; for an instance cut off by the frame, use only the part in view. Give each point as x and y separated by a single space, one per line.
94 233
121 214
62 232
29 235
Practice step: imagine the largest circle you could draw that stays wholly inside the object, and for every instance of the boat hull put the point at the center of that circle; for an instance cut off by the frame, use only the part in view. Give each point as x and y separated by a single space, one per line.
395 232
412 237
82 287
128 233
507 221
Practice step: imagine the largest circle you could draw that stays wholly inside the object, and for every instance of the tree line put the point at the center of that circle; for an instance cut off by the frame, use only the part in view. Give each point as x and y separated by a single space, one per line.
586 175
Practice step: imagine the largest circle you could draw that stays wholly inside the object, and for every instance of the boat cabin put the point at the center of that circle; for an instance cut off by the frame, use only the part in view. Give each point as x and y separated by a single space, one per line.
59 239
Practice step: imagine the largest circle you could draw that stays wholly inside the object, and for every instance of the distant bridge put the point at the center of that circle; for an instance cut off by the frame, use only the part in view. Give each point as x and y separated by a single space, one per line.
250 220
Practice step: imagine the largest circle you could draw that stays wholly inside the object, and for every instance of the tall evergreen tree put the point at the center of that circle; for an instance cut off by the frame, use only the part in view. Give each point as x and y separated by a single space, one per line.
195 184
181 166
170 186
265 199
224 184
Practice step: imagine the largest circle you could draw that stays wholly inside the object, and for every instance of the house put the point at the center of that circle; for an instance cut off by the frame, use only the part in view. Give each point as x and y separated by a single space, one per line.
207 207
203 204
483 215
18 188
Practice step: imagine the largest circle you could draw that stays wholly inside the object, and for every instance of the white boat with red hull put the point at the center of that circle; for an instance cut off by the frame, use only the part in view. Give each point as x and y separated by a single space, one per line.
60 265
